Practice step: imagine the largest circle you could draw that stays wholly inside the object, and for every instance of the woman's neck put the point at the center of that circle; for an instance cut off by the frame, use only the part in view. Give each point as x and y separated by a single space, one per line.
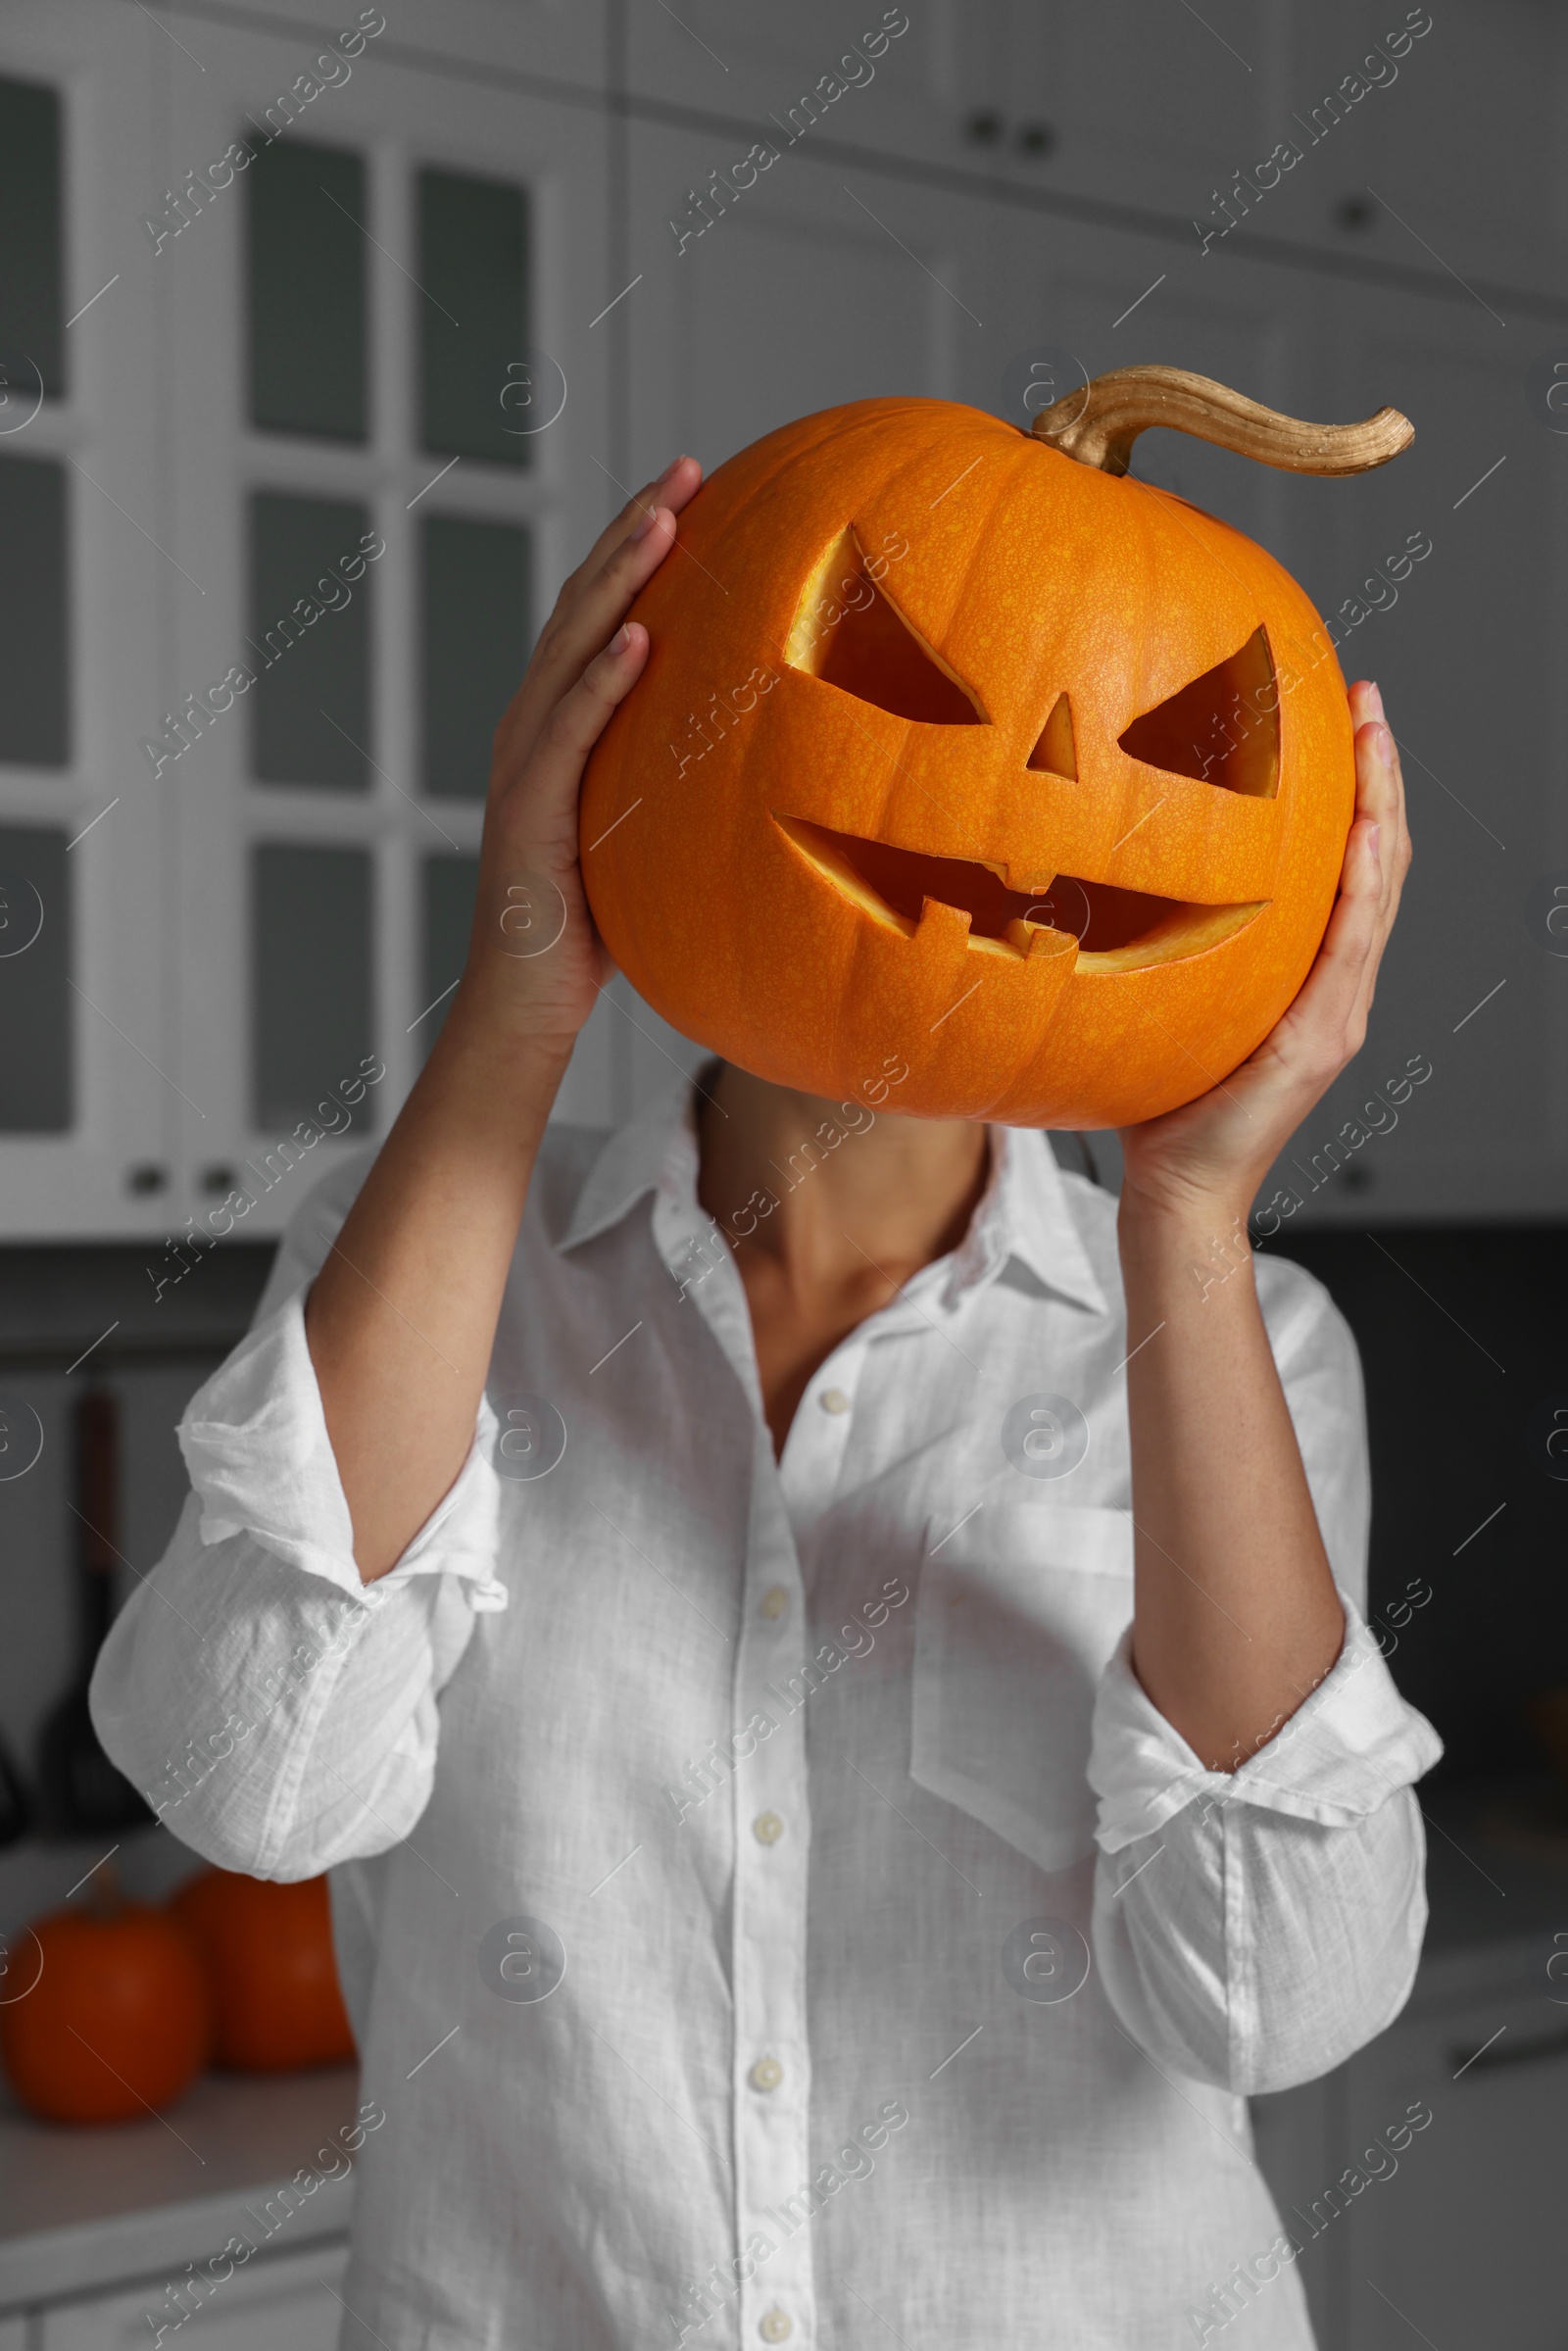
830 1208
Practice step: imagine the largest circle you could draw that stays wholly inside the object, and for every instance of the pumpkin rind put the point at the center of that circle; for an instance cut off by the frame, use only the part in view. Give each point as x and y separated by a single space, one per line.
1032 576
266 1948
117 2022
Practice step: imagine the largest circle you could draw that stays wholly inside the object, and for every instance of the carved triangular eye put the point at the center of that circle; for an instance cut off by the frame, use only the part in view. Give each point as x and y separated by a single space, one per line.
1056 752
850 633
1223 729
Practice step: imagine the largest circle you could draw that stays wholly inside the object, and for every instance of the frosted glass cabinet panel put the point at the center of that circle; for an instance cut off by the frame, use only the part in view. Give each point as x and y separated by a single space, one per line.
311 634
306 257
35 610
476 615
87 1086
37 1077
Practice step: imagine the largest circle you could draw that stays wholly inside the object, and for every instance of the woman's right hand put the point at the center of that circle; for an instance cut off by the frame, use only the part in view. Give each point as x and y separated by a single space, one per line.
535 961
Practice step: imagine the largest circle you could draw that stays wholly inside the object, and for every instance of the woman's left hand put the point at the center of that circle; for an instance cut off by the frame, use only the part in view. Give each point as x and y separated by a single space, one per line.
1216 1151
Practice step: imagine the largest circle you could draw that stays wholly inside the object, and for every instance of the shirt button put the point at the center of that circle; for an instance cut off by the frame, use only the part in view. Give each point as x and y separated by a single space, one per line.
834 1399
767 1827
774 2325
765 2074
775 1601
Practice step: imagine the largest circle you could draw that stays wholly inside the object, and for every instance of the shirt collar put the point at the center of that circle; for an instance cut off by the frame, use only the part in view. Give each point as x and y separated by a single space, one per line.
1025 1211
657 1149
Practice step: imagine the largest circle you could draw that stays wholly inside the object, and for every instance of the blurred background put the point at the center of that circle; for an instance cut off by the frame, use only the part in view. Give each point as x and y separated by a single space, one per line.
362 402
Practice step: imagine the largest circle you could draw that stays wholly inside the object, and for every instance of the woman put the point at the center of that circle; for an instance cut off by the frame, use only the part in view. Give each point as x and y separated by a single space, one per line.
830 1683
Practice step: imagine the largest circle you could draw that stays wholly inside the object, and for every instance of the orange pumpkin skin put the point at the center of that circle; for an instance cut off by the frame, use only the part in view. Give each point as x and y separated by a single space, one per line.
117 2019
1031 576
270 1968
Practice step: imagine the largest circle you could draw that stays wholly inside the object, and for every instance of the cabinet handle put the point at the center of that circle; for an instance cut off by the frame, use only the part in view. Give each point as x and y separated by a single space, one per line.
1518 2052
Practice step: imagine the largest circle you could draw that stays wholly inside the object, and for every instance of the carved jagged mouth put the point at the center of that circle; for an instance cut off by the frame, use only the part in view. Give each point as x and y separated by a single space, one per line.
1116 929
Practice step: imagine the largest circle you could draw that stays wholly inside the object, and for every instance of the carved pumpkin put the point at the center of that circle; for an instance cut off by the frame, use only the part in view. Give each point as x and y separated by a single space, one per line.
270 1968
109 2014
958 744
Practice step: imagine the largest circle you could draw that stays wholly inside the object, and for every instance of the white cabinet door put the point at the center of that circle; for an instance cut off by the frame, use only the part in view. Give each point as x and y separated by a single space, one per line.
293 2302
1370 100
526 41
87 1087
327 820
871 76
1465 647
1463 2242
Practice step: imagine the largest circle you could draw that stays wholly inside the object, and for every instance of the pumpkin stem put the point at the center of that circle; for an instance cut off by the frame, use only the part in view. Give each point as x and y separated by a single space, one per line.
1098 424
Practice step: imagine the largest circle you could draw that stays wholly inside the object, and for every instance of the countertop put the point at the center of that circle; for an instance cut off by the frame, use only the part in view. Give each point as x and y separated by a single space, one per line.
82 2208
85 2208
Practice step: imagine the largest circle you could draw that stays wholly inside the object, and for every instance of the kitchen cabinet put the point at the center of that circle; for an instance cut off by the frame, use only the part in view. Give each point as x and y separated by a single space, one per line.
290 2302
101 2226
871 76
1463 642
83 1102
251 887
1453 2233
428 383
209 917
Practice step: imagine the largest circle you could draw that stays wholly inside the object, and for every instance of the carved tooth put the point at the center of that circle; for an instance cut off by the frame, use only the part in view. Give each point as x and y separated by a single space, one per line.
939 920
1038 941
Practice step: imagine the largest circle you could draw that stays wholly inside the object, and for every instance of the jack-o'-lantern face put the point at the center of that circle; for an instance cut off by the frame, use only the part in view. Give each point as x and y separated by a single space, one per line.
955 751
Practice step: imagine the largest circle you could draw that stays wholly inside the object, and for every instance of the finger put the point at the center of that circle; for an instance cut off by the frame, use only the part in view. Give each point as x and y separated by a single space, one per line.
1320 1029
1379 802
1366 707
580 717
674 488
572 637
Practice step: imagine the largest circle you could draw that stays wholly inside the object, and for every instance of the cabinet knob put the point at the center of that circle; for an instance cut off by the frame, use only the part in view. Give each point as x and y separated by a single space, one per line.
1036 138
146 1175
220 1177
984 127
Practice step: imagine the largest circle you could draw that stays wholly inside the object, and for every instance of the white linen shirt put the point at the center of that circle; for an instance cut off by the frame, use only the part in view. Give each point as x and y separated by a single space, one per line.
769 1907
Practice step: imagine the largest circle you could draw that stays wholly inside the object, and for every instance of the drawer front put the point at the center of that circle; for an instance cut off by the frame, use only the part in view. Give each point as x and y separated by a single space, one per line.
288 2303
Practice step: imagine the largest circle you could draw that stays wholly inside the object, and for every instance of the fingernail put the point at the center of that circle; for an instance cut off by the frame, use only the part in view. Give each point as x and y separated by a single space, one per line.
1374 839
1376 693
646 524
622 639
671 467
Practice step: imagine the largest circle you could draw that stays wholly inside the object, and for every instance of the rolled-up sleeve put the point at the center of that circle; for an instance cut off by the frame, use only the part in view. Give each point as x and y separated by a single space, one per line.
1254 1928
278 1714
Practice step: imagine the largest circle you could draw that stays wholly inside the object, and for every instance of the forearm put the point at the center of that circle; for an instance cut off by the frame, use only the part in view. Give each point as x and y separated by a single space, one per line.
401 1317
1235 1617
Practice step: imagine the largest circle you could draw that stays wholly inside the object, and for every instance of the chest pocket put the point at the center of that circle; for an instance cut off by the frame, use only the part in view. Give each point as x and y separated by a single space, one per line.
1016 1618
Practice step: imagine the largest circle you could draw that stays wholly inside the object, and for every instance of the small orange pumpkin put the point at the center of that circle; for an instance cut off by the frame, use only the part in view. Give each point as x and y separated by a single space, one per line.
957 745
267 1953
106 2013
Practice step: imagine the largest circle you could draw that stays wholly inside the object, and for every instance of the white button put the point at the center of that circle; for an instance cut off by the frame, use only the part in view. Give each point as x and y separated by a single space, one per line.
775 1601
774 2325
834 1399
767 1827
765 2074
